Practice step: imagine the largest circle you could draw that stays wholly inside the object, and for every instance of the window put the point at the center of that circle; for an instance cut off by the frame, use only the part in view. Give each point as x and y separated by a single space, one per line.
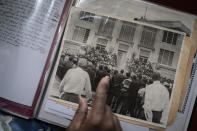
165 57
143 58
106 27
148 37
121 56
170 37
86 16
144 55
101 43
81 34
123 47
127 32
122 51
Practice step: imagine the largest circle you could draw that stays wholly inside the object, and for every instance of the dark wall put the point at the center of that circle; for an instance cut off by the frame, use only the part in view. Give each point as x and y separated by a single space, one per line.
189 6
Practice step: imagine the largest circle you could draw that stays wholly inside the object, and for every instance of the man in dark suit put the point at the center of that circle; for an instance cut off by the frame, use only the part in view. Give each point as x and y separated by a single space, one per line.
132 95
117 85
100 74
92 73
119 78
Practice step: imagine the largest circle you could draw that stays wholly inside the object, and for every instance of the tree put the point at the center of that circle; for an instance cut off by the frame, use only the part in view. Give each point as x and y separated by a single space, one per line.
140 68
99 55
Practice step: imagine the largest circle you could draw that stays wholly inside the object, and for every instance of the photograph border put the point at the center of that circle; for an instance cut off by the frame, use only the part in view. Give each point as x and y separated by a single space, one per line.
122 117
190 62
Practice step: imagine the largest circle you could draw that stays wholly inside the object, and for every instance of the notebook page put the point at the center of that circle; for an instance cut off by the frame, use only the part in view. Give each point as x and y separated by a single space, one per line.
27 30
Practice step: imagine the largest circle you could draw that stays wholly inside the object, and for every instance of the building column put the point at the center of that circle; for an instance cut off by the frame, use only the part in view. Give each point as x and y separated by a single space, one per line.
157 45
115 35
128 57
95 29
137 39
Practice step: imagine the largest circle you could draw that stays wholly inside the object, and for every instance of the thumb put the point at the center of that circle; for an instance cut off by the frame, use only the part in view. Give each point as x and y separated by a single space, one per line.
80 115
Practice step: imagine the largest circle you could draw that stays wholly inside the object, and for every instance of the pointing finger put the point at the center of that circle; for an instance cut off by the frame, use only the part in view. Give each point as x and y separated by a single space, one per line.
80 115
98 107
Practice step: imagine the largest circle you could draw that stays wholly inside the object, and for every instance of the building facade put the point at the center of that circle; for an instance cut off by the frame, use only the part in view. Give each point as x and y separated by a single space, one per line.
125 39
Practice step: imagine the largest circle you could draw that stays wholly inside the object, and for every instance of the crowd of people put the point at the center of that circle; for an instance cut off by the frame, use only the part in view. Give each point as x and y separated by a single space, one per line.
128 94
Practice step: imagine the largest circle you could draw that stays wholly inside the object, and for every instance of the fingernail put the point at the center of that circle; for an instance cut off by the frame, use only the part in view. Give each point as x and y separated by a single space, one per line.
80 100
106 77
82 104
105 81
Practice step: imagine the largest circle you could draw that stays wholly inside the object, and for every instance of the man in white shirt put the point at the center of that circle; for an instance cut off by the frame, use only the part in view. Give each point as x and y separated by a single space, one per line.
76 82
156 101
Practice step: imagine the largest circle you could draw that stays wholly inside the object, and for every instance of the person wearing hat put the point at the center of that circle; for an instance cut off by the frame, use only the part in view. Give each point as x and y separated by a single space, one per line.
156 101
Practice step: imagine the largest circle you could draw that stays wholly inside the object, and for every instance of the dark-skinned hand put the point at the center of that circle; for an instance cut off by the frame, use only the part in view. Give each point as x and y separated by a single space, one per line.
100 117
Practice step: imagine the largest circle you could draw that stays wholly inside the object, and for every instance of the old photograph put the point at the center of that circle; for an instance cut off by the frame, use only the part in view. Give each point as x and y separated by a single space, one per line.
140 58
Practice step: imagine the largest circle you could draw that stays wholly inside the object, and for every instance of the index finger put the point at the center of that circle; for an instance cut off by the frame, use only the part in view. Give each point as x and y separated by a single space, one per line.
98 106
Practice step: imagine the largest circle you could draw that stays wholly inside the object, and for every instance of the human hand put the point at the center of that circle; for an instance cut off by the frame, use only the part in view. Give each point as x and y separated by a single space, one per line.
100 118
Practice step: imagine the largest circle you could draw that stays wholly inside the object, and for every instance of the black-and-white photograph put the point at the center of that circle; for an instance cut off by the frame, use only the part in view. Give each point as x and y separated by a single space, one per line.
141 60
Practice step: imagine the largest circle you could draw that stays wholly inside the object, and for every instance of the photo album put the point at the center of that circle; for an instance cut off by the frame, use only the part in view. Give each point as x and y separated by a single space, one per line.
54 51
140 55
